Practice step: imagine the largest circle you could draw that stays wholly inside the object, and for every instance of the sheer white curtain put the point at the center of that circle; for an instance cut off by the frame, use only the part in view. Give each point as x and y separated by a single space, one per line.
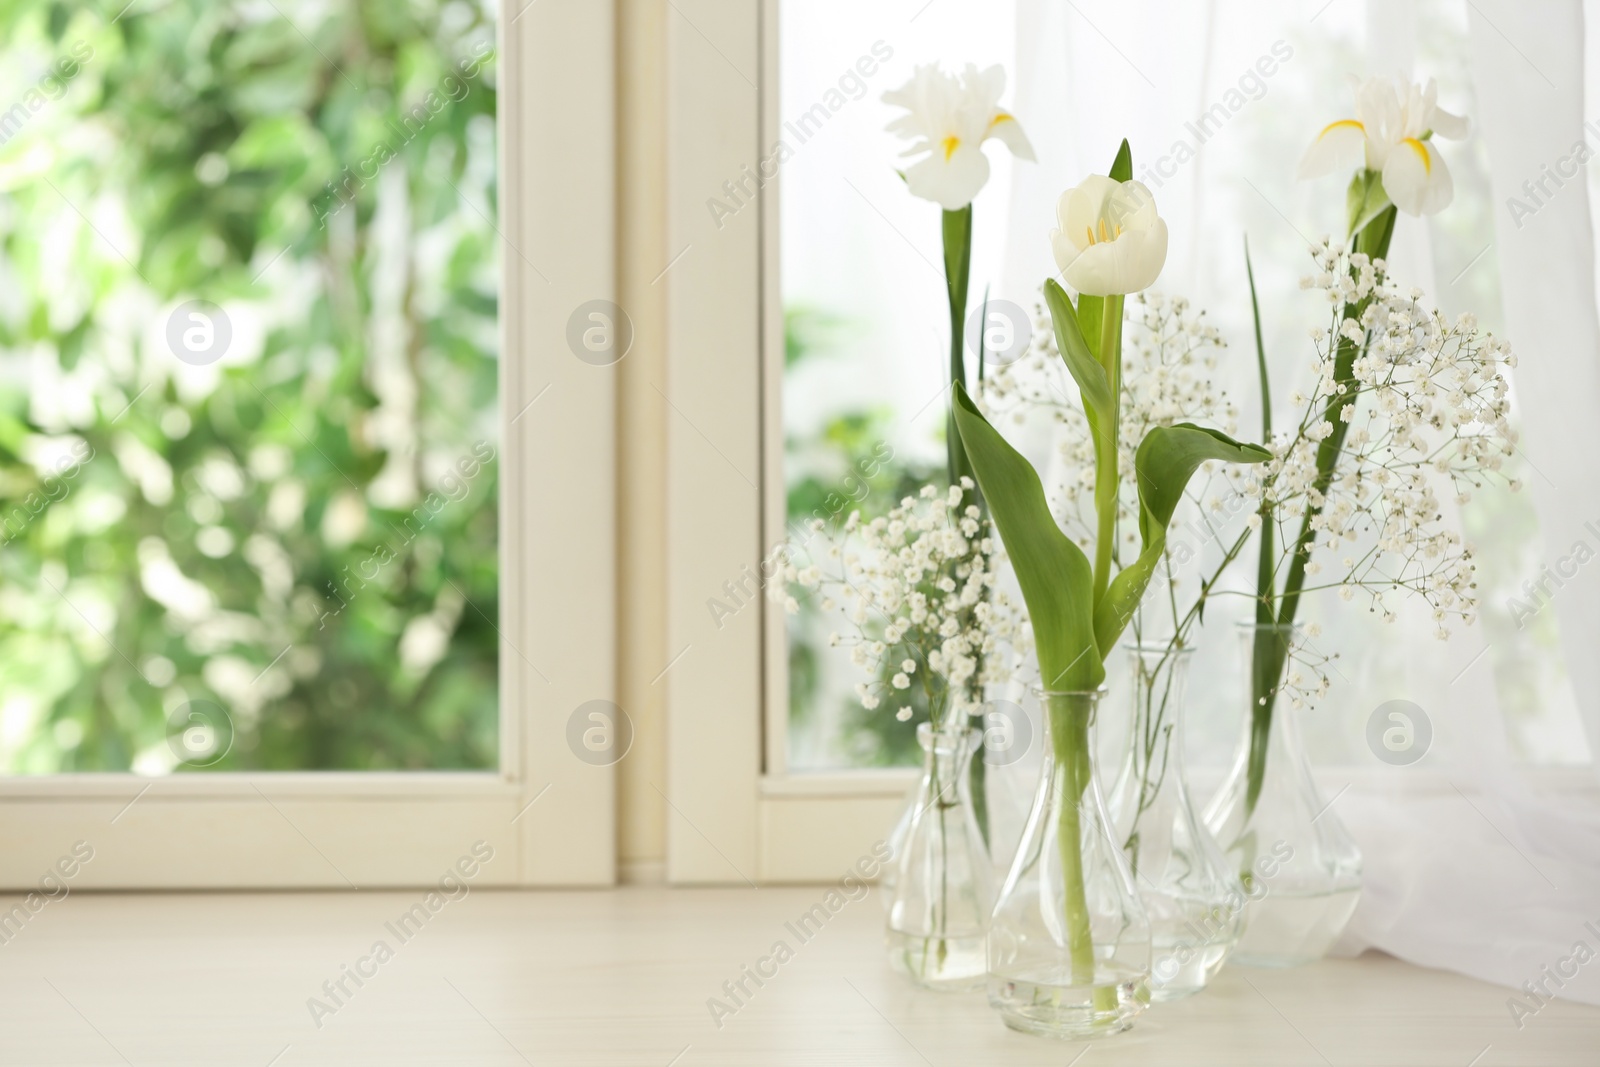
1474 860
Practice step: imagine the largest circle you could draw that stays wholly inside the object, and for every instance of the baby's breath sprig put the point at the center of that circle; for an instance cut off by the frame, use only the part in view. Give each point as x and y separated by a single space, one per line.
916 588
1430 411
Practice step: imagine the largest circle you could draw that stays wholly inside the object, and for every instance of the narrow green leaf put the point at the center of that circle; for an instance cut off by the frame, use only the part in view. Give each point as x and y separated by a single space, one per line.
1054 574
1077 355
1091 313
1261 347
1122 166
1266 562
1167 458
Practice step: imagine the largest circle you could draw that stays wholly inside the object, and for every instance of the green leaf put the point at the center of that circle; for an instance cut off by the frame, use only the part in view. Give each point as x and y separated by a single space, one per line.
1077 354
1167 458
1261 347
1366 199
1267 559
1055 576
1091 315
1122 166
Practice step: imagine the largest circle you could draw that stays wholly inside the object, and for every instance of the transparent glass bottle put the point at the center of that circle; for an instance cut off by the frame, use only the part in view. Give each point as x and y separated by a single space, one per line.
1069 944
1300 871
1191 896
943 885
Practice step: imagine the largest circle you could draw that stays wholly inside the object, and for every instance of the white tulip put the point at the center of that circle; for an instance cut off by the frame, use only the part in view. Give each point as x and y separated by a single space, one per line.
1110 239
1392 134
949 117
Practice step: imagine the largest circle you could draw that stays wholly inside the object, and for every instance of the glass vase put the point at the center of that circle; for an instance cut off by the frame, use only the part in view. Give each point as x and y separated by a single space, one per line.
1069 944
1300 870
1189 892
943 884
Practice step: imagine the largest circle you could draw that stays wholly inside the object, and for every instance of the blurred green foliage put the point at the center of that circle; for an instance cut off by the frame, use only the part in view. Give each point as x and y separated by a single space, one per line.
305 531
847 466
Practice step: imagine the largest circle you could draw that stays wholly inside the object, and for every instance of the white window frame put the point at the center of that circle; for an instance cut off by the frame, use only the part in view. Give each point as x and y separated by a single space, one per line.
736 815
549 816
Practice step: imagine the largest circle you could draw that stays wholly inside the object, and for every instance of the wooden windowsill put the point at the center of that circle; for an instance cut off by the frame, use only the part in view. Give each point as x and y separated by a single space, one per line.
624 976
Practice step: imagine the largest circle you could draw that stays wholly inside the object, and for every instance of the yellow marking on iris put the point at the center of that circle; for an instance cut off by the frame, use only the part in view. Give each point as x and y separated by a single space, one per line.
951 143
1354 124
1421 150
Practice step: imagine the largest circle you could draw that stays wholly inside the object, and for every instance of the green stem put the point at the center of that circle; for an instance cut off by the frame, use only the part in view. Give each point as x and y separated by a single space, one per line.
957 232
1070 718
976 776
1270 651
1105 458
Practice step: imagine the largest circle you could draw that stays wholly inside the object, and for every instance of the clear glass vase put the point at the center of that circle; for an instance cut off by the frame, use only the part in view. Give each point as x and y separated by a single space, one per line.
1300 870
1190 893
943 885
1069 944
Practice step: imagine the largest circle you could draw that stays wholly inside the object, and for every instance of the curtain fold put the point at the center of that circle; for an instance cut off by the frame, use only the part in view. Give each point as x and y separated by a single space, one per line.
1532 117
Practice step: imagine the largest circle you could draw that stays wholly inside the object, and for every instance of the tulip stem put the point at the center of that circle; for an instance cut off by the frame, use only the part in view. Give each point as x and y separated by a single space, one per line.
1105 475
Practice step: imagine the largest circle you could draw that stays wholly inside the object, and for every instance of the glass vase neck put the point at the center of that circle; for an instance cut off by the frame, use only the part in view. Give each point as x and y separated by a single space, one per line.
946 753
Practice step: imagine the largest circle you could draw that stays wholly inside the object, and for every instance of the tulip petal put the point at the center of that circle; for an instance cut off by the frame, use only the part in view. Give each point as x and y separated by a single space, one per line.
1340 146
1132 206
1129 264
1416 179
1064 250
1145 255
1093 271
1082 207
950 182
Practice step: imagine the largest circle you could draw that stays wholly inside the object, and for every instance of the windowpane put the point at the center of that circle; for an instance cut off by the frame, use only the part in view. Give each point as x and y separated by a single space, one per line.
248 387
864 314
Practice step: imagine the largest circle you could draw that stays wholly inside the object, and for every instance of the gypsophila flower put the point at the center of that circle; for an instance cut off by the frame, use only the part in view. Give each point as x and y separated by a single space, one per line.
1170 355
1425 418
1428 410
926 611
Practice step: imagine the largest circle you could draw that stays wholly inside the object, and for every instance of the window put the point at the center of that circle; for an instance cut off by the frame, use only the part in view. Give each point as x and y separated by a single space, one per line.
251 389
852 327
265 437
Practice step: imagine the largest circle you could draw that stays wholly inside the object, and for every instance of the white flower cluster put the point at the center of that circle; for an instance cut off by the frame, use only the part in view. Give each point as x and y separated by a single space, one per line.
917 588
1305 677
1169 360
1422 403
1425 410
